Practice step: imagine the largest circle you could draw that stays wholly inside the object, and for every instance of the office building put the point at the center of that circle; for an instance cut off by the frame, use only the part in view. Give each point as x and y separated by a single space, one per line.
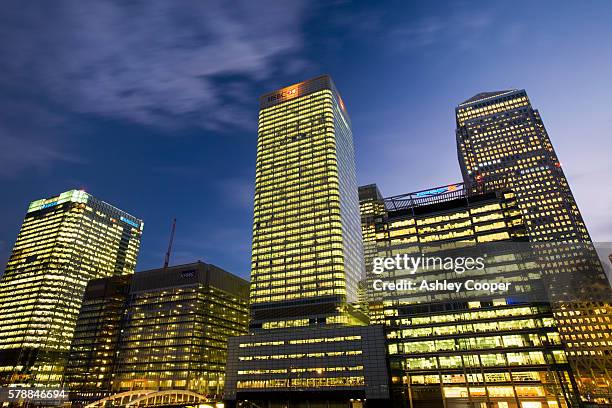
163 329
307 252
502 142
321 366
372 209
307 261
91 360
469 347
64 242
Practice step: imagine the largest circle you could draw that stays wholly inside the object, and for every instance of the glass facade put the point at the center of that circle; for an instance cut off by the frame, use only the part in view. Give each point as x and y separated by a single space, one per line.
164 329
309 341
477 349
315 365
91 360
372 208
502 142
307 251
64 242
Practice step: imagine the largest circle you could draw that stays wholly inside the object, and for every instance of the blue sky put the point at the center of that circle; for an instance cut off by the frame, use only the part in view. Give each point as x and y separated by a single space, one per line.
152 105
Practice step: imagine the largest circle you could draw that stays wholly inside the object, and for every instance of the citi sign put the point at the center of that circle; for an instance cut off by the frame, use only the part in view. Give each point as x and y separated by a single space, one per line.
283 94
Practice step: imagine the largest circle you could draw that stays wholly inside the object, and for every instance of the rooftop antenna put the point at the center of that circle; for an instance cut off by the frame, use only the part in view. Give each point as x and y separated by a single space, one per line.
167 258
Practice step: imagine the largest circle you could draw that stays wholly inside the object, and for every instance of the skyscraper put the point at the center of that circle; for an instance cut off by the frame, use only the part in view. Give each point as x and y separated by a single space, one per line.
307 256
502 142
64 242
307 260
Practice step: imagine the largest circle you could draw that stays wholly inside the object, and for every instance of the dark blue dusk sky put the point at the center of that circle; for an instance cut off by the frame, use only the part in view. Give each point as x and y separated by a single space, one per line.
152 105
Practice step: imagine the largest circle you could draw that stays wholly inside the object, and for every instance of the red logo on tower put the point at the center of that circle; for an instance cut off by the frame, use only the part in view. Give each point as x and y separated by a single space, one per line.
285 93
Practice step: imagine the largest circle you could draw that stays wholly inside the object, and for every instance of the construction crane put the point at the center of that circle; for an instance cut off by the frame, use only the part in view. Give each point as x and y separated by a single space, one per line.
167 259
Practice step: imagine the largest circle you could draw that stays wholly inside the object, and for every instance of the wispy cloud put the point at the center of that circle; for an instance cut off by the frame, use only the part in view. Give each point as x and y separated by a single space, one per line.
29 138
458 28
237 192
153 62
17 155
419 34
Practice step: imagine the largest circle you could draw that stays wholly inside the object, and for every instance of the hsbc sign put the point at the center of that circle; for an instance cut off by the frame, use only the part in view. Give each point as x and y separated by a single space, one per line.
283 94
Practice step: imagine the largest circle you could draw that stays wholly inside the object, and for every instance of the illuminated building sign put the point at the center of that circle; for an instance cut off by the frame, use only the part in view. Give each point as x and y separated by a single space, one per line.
75 196
285 93
130 222
437 191
341 103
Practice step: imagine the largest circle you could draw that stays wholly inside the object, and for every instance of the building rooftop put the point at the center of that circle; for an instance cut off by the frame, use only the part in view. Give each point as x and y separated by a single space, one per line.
190 274
486 95
425 197
369 192
439 198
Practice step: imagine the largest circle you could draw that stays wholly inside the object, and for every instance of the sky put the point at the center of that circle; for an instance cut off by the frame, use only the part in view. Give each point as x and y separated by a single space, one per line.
152 105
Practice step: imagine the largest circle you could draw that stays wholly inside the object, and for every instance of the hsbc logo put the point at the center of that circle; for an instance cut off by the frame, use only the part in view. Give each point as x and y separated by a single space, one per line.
283 94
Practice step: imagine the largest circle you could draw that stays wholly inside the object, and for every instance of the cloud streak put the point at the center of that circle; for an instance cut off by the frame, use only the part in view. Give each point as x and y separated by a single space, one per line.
155 62
238 192
460 29
28 138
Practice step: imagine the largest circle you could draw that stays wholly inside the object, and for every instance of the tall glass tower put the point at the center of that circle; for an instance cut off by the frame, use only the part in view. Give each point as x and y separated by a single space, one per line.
309 341
64 242
307 258
502 142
